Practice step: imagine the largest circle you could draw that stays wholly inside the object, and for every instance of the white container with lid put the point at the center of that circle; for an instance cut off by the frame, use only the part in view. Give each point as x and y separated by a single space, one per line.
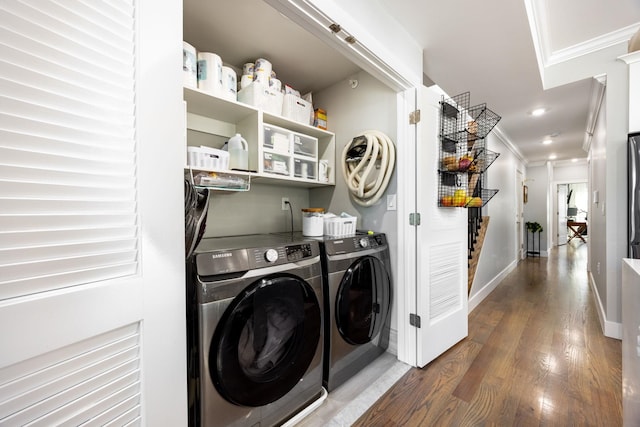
312 222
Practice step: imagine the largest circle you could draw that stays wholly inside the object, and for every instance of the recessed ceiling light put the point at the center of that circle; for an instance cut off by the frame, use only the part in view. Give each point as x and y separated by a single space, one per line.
547 141
538 112
553 157
574 160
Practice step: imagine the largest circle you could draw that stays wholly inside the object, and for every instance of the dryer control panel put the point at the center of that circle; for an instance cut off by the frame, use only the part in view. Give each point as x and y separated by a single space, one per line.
359 242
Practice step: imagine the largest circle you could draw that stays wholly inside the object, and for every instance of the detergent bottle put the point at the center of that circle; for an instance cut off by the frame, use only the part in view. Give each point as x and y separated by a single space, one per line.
238 152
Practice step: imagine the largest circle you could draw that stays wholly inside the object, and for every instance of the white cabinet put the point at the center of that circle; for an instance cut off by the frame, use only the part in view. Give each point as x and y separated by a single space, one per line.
281 151
288 153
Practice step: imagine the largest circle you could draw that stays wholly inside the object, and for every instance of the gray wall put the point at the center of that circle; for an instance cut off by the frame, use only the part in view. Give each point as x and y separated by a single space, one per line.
256 211
370 106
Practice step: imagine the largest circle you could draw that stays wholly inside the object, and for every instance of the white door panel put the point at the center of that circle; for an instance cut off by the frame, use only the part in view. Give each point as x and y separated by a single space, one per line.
562 214
441 294
77 344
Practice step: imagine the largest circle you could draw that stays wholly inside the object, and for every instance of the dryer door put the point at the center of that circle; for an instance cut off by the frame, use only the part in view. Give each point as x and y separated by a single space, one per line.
363 300
265 340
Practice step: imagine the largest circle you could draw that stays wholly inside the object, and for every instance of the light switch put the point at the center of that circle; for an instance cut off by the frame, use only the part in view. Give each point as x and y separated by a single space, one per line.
391 202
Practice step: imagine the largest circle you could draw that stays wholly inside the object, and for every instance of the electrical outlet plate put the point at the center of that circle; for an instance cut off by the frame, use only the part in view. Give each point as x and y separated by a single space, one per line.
285 203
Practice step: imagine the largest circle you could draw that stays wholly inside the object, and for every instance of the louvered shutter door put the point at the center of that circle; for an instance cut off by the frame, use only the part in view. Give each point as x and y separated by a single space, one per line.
67 144
69 227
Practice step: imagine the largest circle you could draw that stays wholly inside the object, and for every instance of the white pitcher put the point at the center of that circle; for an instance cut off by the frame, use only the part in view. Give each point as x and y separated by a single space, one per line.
238 152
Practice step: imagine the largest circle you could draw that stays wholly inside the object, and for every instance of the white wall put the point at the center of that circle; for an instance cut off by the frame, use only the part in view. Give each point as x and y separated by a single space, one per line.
570 173
536 209
597 219
499 254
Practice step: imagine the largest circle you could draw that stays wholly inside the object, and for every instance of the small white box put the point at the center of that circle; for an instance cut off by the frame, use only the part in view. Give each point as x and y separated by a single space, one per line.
297 109
262 97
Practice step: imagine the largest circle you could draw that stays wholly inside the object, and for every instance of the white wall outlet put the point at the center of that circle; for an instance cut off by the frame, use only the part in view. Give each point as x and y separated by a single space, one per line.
391 202
285 203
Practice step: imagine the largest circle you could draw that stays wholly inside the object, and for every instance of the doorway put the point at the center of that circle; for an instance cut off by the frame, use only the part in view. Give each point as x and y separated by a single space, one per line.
572 214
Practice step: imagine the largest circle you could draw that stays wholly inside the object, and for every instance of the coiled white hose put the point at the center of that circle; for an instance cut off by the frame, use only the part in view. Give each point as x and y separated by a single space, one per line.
368 175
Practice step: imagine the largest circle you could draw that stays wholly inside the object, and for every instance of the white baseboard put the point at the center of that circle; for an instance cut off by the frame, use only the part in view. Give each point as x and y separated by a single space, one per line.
609 329
479 296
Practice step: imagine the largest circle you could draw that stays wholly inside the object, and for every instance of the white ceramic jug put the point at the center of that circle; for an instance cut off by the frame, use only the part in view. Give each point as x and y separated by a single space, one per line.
238 152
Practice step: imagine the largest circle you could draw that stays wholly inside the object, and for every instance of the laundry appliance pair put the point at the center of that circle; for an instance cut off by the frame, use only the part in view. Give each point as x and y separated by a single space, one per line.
274 318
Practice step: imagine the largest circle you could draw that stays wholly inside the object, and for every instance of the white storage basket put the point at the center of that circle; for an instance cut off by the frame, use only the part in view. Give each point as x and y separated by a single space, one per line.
262 97
339 227
297 109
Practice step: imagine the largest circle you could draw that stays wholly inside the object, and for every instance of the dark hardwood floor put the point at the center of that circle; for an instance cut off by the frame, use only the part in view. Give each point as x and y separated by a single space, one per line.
535 356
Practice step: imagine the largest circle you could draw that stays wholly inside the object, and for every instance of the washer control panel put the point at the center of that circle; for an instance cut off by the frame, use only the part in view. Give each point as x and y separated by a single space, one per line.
263 257
298 252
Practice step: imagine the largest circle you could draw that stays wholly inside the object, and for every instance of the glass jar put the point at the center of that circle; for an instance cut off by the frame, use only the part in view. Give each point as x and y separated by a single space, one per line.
312 222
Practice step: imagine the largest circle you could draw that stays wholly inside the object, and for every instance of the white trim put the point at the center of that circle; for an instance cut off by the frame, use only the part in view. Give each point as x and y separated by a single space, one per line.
598 85
595 44
609 329
393 342
509 144
538 29
537 17
630 58
478 297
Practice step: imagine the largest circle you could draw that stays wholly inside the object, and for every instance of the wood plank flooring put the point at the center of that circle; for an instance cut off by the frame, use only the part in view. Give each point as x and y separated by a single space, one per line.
535 356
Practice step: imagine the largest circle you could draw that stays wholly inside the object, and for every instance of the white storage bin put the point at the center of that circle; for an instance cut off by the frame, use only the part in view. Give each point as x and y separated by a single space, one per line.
339 227
262 97
207 158
276 163
297 109
304 145
277 139
305 169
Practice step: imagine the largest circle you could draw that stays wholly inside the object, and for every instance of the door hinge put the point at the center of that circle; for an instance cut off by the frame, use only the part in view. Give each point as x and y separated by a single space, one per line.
414 320
336 28
414 219
414 117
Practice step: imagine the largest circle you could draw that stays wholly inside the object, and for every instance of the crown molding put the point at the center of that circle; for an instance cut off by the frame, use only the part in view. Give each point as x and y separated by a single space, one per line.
590 46
538 24
509 144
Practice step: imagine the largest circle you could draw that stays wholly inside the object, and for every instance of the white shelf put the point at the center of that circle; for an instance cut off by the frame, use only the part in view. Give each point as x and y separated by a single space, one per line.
248 120
207 105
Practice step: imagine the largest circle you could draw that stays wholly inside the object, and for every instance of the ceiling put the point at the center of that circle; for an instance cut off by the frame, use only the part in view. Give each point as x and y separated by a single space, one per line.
485 48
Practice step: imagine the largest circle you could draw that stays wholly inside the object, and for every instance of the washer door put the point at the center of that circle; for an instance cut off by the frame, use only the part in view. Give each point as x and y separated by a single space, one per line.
363 300
265 340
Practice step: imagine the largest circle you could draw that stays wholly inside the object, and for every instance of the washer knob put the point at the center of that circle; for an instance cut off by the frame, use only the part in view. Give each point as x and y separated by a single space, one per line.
271 255
364 242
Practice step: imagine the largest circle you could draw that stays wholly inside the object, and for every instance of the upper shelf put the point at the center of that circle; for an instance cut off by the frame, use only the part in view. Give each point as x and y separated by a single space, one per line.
205 104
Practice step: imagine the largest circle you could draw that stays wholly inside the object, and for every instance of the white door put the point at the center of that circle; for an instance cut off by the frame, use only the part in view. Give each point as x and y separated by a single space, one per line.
562 214
91 276
441 288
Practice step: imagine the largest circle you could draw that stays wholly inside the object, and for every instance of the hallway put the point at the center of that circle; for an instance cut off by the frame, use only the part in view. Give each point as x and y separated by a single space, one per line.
535 355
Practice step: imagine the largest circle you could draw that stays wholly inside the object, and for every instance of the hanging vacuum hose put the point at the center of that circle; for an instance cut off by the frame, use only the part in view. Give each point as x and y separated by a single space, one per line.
367 165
